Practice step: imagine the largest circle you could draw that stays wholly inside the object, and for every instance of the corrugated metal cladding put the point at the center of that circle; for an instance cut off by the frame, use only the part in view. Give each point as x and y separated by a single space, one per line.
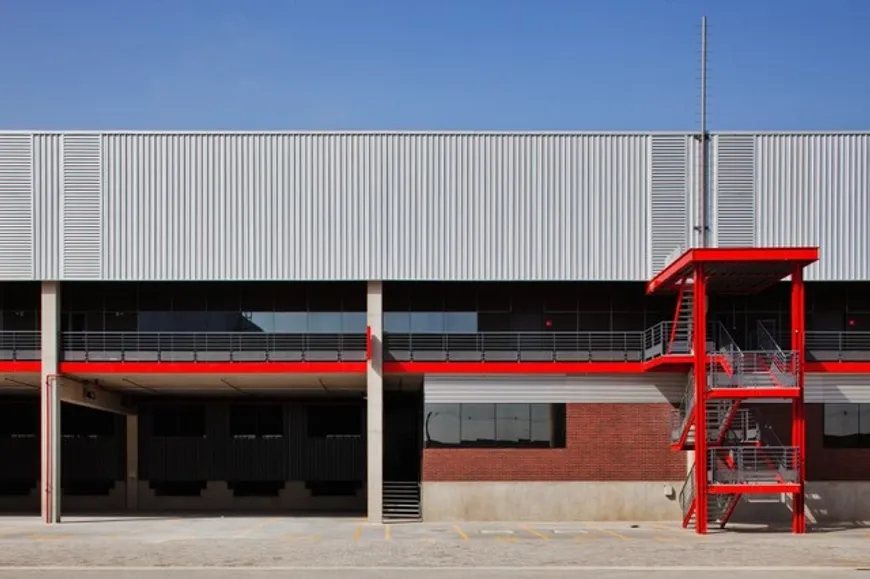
669 192
733 184
837 388
815 190
515 207
415 206
82 216
439 389
16 207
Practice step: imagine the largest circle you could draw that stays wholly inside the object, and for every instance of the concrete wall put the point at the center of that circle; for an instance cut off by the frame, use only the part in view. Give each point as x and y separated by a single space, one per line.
550 501
839 502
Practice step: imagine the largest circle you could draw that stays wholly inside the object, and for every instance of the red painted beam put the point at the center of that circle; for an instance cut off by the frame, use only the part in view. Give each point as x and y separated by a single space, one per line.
680 266
750 393
513 367
18 367
837 367
759 489
212 367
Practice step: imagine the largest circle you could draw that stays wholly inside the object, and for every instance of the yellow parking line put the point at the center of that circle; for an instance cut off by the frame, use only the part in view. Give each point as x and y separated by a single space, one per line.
536 533
254 528
460 532
358 533
48 537
609 532
387 532
509 538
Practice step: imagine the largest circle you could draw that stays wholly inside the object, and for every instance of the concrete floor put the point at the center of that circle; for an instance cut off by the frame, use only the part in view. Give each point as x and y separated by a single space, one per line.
217 547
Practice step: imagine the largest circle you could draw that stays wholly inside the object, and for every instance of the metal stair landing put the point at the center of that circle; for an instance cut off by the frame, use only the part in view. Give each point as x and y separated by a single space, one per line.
402 502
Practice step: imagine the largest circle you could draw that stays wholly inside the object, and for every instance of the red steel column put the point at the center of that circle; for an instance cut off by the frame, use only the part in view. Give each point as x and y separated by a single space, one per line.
798 410
699 328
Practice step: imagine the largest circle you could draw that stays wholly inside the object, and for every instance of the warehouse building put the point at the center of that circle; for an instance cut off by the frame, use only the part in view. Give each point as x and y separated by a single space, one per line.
437 326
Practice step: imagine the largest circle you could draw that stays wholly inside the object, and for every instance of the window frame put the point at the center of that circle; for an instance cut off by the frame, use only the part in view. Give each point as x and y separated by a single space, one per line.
859 441
557 426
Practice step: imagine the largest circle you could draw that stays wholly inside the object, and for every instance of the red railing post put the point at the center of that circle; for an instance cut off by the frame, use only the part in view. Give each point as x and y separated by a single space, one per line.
798 414
699 313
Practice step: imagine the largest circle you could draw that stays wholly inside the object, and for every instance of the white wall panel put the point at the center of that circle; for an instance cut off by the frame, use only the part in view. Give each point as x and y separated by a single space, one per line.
48 199
596 388
837 388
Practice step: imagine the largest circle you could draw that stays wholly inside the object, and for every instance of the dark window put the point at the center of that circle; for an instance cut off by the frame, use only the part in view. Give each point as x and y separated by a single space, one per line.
327 421
19 419
178 420
253 420
847 426
80 421
495 425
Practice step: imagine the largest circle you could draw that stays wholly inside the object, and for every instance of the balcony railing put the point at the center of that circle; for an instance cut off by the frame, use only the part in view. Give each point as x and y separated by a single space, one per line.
754 465
211 347
516 347
838 346
20 346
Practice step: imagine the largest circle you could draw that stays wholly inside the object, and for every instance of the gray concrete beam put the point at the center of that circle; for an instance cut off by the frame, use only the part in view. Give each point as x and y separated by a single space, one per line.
92 396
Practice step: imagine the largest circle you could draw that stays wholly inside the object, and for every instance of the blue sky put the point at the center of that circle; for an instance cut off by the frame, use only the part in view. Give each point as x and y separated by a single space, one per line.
436 64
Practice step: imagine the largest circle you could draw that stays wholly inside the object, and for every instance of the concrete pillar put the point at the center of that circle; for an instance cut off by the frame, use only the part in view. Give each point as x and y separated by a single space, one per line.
375 402
132 455
50 489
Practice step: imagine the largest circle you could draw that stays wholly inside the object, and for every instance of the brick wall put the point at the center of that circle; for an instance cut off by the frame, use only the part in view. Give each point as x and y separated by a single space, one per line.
823 464
605 442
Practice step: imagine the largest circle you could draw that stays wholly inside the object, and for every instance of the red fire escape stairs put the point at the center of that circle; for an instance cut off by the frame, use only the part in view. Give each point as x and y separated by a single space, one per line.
736 452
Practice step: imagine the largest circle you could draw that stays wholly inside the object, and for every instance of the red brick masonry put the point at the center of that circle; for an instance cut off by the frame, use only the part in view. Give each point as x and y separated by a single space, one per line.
628 442
605 442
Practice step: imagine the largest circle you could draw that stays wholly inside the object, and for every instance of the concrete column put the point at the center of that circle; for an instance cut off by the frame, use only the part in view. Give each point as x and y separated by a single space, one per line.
50 403
375 402
132 455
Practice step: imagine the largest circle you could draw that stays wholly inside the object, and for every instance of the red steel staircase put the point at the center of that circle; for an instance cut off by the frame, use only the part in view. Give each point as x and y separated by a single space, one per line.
736 453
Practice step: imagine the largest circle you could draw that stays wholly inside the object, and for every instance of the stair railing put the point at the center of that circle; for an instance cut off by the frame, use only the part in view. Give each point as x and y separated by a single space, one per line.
687 492
682 414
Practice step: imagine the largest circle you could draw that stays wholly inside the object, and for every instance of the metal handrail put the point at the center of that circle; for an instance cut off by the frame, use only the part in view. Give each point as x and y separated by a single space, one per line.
687 492
517 346
753 464
838 346
18 345
212 346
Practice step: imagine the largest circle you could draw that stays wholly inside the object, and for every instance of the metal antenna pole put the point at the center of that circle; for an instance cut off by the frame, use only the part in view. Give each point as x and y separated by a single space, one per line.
703 157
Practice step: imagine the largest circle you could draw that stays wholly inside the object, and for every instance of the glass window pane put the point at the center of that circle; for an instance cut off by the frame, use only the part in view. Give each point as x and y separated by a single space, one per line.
261 321
427 323
542 423
441 424
460 322
291 322
513 423
477 424
864 419
841 420
397 322
353 322
324 323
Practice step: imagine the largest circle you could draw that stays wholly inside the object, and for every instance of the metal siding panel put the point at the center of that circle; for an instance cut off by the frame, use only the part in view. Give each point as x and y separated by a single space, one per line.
555 389
516 207
837 388
16 207
669 210
733 183
814 189
82 207
234 207
47 198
